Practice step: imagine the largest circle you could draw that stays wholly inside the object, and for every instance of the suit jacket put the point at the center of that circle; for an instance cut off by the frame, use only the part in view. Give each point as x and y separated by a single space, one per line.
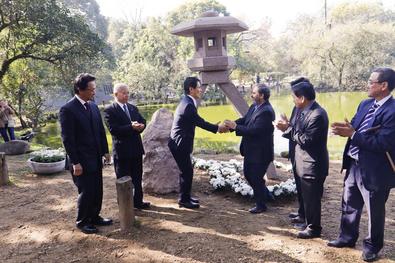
126 141
308 137
373 145
83 138
186 118
257 130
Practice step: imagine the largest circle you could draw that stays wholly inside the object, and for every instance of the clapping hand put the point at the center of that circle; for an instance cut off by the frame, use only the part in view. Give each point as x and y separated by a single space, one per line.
283 123
138 126
343 129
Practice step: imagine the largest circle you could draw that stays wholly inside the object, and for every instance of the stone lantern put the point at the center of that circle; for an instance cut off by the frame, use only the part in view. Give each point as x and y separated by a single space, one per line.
211 59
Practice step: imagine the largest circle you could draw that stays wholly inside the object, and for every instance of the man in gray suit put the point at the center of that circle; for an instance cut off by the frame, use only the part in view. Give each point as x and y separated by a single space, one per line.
307 132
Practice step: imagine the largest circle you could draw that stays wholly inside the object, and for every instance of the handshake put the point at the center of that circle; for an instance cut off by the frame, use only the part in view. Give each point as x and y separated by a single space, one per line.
226 126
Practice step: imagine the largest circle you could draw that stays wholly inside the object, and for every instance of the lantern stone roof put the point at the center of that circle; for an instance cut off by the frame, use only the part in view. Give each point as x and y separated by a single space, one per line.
209 20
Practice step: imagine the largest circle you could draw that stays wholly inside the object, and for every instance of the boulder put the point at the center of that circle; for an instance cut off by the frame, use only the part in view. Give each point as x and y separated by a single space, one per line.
14 147
160 174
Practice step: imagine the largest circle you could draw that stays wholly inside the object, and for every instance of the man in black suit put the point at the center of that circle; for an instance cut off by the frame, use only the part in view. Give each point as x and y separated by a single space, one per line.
257 143
368 159
125 124
308 132
84 139
186 118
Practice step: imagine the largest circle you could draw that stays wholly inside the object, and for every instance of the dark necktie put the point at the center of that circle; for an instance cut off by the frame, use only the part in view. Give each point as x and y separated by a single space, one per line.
353 151
125 109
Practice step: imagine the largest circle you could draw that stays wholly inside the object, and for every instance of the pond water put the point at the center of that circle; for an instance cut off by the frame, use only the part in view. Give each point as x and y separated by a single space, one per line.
339 105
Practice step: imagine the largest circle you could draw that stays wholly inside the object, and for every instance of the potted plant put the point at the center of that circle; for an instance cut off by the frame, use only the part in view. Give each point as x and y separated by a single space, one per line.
47 161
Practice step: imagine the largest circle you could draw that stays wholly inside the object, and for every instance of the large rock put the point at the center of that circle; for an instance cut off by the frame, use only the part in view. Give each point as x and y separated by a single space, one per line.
14 147
161 174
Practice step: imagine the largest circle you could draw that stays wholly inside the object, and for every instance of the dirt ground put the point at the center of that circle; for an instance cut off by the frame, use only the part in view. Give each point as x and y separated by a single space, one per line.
37 215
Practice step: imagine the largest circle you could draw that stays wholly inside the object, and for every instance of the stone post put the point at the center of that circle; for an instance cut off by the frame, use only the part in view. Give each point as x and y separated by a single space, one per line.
3 169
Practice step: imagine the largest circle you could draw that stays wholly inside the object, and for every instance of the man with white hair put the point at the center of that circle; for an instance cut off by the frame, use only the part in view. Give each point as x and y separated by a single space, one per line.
125 124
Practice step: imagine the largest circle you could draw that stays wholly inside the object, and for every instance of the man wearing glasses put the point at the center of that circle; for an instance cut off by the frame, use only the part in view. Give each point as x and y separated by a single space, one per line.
368 159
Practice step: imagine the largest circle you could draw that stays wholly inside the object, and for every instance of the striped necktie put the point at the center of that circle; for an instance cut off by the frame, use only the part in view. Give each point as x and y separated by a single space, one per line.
125 109
353 151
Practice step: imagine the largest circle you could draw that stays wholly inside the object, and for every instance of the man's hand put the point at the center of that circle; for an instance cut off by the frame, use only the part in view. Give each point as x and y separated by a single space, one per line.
230 124
282 125
343 129
107 158
137 126
77 169
222 128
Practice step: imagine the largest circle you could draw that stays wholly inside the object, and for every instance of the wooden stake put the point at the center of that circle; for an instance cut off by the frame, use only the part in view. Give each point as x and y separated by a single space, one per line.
3 169
125 202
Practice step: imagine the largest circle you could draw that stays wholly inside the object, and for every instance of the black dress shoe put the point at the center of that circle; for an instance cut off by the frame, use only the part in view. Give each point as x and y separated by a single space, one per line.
339 244
88 229
300 226
309 233
298 220
257 210
143 205
100 221
369 256
194 199
189 205
293 215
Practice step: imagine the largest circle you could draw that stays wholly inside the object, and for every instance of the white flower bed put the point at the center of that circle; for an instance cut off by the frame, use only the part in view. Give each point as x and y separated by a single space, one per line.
227 174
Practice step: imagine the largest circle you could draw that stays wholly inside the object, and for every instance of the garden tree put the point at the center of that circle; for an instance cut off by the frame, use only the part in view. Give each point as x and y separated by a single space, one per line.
342 55
27 85
47 31
251 51
90 10
147 64
192 10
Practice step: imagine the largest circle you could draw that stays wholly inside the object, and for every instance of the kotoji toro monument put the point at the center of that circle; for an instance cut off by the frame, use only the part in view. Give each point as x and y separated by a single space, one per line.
211 59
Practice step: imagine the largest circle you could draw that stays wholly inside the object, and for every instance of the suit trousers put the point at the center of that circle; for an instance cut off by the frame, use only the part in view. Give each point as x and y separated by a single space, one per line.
254 173
184 163
90 190
301 212
312 190
132 167
355 196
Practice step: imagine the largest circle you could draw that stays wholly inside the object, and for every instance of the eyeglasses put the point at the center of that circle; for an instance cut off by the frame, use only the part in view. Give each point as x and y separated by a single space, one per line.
370 82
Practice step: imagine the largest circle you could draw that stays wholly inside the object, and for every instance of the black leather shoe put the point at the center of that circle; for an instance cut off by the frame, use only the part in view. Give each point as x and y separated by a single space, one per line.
339 244
300 226
293 215
194 199
309 233
100 221
298 220
143 205
257 210
189 205
369 256
88 229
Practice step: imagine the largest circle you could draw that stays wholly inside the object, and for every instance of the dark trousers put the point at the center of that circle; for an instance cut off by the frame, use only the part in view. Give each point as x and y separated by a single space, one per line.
184 163
90 190
132 167
312 190
299 193
3 132
11 132
254 173
355 196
